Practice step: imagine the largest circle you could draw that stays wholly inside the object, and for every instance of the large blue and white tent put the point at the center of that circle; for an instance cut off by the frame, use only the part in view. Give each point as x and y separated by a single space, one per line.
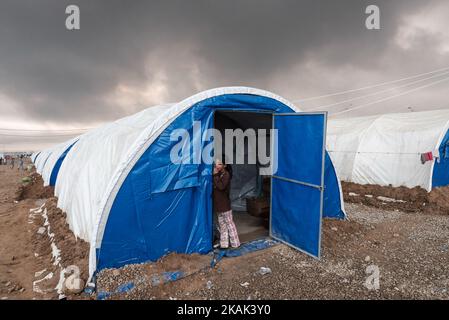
123 194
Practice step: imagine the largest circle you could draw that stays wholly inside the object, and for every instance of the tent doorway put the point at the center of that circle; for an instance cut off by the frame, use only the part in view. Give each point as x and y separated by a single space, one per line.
250 184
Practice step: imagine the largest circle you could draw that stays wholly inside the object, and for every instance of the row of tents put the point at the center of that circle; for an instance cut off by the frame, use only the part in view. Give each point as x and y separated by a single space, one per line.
399 149
122 193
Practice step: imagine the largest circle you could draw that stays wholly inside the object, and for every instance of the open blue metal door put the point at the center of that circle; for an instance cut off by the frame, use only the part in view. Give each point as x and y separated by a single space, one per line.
297 183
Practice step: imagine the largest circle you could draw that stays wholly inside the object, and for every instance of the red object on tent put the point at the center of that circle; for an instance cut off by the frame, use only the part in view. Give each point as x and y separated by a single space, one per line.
427 156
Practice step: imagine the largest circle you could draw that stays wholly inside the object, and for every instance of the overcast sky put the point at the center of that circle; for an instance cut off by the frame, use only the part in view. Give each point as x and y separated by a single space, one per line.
130 55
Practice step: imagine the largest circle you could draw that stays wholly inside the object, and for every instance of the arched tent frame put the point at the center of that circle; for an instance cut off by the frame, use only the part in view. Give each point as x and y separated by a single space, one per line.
42 158
54 161
34 156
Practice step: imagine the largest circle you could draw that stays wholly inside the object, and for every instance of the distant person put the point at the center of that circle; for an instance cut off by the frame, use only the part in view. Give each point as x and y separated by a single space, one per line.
222 206
12 162
1 161
20 167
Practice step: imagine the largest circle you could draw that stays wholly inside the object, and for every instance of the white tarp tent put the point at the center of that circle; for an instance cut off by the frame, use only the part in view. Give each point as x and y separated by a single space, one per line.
386 149
33 156
42 158
52 159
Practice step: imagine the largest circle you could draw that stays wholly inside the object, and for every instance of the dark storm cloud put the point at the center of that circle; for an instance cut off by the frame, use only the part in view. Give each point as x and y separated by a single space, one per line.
168 50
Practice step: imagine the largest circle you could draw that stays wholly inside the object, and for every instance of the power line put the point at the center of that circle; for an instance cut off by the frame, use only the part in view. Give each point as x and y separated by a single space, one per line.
38 136
45 130
377 92
370 87
391 97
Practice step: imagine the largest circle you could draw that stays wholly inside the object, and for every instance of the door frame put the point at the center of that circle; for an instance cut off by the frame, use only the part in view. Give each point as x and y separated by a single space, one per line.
243 110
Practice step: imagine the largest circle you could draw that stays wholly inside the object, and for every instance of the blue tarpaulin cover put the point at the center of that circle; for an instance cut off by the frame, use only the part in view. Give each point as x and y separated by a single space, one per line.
245 248
57 166
440 176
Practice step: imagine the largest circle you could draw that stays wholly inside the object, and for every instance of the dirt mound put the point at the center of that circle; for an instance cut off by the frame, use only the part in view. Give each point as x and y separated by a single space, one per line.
439 200
73 251
400 198
33 188
56 249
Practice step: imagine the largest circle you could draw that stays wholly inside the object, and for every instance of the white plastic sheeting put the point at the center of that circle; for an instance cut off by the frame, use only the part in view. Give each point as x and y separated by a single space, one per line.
83 178
56 153
87 186
33 156
42 159
385 149
39 160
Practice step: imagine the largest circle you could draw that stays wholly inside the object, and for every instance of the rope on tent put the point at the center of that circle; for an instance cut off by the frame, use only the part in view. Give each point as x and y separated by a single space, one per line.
376 93
371 86
375 152
45 130
39 136
391 97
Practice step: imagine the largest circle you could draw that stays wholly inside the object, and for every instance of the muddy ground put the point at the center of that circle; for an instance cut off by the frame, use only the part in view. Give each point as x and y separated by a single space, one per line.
408 247
402 198
36 243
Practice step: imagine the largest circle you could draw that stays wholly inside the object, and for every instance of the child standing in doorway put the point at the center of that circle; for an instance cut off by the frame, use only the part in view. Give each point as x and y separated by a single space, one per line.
222 206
